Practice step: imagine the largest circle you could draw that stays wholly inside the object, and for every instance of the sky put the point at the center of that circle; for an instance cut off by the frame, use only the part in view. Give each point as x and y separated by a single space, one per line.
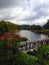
25 11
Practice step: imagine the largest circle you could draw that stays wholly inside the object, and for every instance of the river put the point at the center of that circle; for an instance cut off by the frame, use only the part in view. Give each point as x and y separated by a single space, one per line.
31 35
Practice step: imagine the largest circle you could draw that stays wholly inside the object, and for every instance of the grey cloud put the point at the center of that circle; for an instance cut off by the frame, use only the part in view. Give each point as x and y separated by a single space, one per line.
39 9
6 14
6 17
39 12
8 3
12 3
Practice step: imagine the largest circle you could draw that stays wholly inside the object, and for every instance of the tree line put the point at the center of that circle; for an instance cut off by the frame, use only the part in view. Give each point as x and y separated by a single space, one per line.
6 26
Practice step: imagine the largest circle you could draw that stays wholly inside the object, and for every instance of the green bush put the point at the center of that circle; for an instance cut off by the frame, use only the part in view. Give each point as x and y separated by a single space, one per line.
11 56
42 54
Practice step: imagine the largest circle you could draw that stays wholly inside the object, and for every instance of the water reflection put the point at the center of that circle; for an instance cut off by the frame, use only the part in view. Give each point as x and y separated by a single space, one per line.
31 35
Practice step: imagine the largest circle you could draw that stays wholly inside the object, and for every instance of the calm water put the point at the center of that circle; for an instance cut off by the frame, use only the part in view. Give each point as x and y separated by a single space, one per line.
31 35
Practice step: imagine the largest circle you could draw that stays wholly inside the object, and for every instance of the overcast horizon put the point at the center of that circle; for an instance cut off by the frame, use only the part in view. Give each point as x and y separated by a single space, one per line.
25 11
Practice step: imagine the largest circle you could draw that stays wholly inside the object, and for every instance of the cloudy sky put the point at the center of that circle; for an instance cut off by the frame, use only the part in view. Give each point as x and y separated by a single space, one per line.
25 11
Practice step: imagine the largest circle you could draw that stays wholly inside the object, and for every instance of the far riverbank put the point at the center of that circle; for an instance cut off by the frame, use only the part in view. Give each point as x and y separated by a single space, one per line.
46 32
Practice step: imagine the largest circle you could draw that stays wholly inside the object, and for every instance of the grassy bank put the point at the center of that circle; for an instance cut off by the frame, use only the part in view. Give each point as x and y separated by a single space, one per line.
41 31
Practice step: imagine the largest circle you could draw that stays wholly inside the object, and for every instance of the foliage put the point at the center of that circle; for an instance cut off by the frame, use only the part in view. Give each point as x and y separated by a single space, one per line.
42 54
25 59
10 56
9 52
46 26
36 27
6 26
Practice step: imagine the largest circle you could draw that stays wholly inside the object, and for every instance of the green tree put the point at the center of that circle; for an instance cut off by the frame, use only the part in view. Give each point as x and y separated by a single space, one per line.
46 26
